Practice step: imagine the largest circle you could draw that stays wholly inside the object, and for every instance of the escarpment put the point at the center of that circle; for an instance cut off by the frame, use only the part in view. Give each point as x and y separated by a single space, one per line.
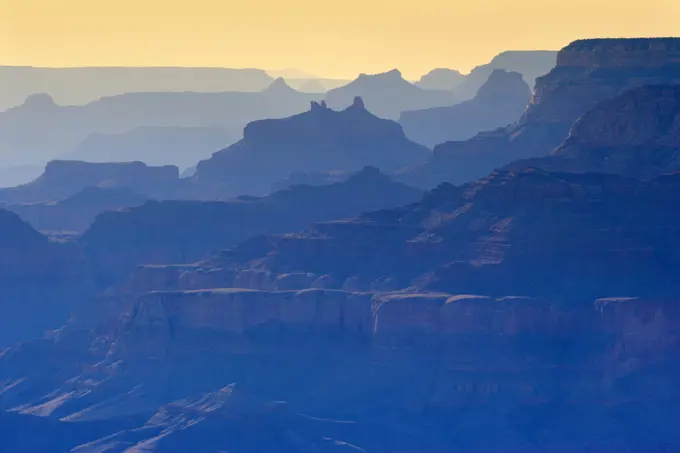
587 73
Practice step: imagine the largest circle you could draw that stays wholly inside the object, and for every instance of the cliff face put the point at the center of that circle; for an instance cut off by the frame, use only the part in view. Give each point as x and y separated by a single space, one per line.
564 375
63 179
499 102
319 140
186 231
530 233
635 134
587 72
540 306
591 71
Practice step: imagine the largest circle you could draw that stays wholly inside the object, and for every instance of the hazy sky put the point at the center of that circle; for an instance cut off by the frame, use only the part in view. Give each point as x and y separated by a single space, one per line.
329 38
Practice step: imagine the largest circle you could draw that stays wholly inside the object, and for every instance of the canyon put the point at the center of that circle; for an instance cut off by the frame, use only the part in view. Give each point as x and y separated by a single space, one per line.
587 73
533 308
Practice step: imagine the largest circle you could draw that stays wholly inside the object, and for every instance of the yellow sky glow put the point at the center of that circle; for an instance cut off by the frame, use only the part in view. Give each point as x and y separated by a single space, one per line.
328 38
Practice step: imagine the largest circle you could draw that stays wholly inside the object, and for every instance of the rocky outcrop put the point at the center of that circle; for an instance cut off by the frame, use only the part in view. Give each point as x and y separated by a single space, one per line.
186 231
387 95
591 71
568 375
540 305
576 85
76 213
63 179
499 102
319 140
531 233
635 134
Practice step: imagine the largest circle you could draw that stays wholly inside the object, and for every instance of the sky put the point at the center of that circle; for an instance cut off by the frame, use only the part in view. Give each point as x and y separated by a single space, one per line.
327 38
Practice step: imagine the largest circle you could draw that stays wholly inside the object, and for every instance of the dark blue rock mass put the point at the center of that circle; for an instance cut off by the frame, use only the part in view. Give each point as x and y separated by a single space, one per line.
294 296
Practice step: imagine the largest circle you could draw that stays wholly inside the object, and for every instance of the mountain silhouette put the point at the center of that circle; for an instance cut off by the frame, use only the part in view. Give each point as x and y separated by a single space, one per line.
76 86
441 79
588 72
530 63
63 128
499 102
318 140
387 95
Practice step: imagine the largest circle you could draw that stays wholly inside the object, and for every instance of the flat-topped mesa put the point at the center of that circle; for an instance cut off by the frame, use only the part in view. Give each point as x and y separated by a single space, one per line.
64 178
618 53
317 141
593 70
116 172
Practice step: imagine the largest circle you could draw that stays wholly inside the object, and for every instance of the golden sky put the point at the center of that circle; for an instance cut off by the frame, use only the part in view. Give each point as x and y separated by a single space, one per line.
328 38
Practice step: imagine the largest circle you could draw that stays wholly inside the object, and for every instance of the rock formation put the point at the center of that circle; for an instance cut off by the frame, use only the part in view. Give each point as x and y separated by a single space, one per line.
499 102
63 179
318 140
541 306
185 231
587 73
525 312
635 134
531 233
387 95
396 368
